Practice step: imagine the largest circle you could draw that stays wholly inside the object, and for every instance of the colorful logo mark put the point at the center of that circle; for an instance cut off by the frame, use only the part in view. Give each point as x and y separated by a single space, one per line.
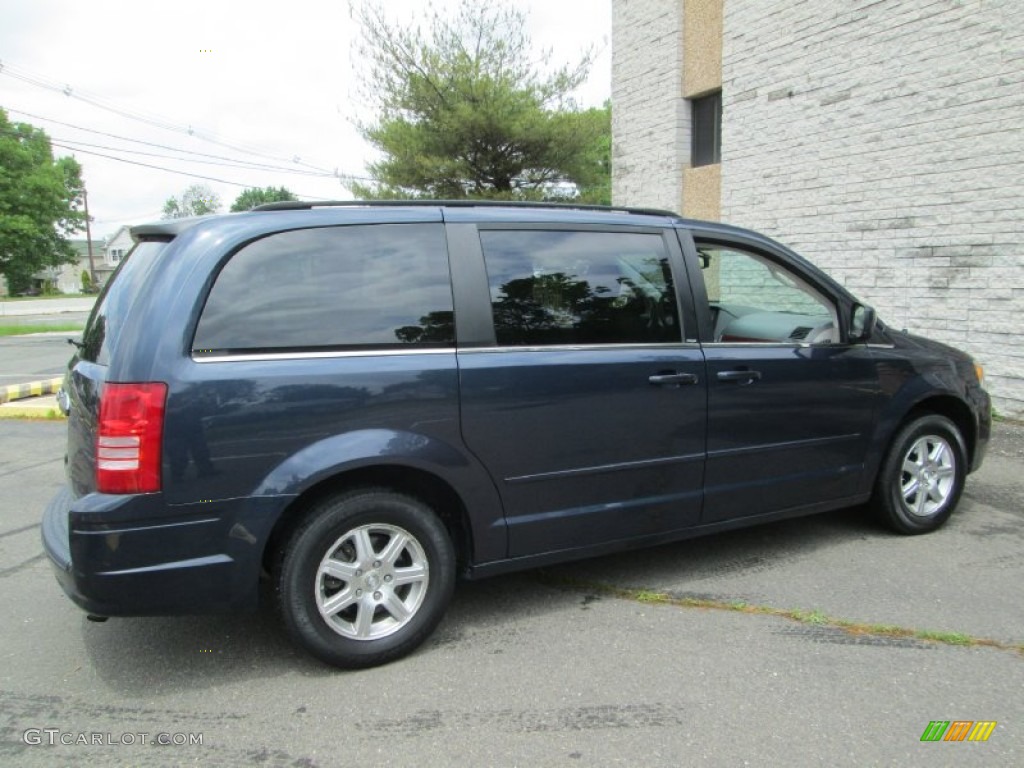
958 730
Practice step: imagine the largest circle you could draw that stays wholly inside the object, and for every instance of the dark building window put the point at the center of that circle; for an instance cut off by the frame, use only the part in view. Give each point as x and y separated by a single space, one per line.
706 130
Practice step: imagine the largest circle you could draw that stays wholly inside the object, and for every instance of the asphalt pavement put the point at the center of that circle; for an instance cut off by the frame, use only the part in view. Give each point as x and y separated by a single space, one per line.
610 661
35 356
39 307
39 356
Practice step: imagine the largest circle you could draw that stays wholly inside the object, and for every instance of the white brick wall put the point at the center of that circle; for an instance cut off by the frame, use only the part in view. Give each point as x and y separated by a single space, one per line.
882 140
650 119
885 142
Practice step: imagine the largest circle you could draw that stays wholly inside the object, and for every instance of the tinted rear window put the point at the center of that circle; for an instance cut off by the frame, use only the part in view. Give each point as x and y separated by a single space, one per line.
382 285
112 306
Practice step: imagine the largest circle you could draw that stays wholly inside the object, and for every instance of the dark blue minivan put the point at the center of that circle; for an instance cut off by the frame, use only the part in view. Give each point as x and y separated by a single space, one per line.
361 402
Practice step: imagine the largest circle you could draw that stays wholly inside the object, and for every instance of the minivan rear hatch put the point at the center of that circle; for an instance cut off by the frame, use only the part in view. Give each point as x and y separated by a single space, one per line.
88 368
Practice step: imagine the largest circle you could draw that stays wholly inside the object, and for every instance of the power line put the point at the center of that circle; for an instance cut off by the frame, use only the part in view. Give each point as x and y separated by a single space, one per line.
152 120
40 81
61 142
77 146
156 145
73 146
255 166
171 170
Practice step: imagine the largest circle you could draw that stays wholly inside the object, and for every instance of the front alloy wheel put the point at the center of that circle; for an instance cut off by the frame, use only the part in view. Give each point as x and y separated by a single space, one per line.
929 476
922 477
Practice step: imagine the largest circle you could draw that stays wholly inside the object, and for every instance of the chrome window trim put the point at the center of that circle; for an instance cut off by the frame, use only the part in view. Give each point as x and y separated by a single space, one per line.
371 352
669 346
776 344
327 354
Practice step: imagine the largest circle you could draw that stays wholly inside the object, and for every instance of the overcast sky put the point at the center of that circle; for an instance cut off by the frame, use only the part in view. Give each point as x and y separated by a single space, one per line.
273 77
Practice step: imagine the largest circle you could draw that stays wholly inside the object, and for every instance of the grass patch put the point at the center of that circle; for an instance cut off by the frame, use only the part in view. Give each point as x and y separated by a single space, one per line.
949 638
811 617
27 415
643 596
21 330
815 618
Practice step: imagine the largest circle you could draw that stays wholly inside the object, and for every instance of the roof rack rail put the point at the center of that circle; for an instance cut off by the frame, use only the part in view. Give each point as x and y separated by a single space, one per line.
301 205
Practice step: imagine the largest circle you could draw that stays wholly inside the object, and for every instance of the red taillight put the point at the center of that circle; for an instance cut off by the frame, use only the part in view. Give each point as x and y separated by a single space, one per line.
129 437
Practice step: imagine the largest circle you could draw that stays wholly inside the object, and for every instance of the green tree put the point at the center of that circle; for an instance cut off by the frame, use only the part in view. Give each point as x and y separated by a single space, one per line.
594 181
466 108
197 200
254 196
40 199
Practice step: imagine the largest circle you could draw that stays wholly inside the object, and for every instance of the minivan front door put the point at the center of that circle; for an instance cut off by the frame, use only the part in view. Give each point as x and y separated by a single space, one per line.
791 407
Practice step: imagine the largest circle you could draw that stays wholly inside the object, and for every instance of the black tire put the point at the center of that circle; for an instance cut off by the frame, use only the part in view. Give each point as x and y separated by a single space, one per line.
390 579
922 477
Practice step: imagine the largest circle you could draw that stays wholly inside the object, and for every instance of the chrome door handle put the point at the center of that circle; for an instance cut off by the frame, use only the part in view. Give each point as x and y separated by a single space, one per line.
663 379
742 377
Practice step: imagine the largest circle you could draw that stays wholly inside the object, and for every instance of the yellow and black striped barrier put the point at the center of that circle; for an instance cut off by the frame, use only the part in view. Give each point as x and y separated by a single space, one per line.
32 389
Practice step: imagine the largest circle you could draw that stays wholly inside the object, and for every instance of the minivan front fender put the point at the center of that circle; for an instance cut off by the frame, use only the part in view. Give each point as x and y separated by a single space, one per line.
932 392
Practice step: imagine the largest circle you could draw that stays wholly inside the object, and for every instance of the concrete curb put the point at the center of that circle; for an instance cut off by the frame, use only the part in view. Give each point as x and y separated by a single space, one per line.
34 408
32 389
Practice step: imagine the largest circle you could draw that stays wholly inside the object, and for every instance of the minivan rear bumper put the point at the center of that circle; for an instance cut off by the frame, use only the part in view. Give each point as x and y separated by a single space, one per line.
197 564
55 541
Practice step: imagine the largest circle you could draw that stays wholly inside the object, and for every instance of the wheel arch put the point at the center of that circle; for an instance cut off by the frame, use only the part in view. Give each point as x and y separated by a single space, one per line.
955 410
429 488
911 500
941 404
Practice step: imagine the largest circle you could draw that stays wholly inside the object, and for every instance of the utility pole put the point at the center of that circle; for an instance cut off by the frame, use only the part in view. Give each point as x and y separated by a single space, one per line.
88 239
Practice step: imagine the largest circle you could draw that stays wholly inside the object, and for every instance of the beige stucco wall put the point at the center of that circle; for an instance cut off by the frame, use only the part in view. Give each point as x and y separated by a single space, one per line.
702 46
702 193
702 72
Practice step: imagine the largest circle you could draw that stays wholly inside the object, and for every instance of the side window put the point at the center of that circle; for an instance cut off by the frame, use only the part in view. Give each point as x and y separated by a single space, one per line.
753 299
383 285
563 287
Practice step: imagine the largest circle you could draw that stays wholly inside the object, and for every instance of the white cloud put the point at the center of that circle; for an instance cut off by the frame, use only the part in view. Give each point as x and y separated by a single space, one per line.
270 75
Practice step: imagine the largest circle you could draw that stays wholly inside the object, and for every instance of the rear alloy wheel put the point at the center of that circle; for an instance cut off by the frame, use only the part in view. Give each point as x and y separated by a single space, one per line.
367 578
923 476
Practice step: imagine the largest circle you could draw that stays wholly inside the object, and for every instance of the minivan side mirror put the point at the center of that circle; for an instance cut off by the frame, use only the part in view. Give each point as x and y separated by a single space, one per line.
862 323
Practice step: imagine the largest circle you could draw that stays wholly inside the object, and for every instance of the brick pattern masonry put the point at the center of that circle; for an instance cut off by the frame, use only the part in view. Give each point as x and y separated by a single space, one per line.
649 115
